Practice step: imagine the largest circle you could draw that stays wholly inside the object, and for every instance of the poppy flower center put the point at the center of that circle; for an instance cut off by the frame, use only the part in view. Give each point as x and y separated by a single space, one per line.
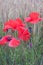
7 30
9 38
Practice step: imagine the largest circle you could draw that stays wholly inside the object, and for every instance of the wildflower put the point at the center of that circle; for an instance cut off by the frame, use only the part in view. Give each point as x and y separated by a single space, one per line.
4 40
25 35
9 25
19 22
20 29
33 18
13 24
6 28
14 43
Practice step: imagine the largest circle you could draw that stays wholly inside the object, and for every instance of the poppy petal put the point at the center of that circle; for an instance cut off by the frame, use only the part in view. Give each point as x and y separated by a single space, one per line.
14 43
27 19
25 35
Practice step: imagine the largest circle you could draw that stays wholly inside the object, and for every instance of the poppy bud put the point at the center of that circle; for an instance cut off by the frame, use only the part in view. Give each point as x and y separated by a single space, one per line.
30 29
30 44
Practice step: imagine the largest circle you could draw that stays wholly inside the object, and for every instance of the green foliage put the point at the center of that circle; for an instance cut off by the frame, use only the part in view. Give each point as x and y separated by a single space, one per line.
1 31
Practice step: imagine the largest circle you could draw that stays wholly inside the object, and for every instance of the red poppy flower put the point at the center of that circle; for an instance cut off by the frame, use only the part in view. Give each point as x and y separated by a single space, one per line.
9 25
13 24
6 27
19 22
4 40
20 29
25 35
33 18
34 15
14 43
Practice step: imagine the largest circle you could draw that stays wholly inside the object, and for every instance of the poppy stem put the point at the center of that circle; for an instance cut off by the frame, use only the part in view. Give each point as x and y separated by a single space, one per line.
34 30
